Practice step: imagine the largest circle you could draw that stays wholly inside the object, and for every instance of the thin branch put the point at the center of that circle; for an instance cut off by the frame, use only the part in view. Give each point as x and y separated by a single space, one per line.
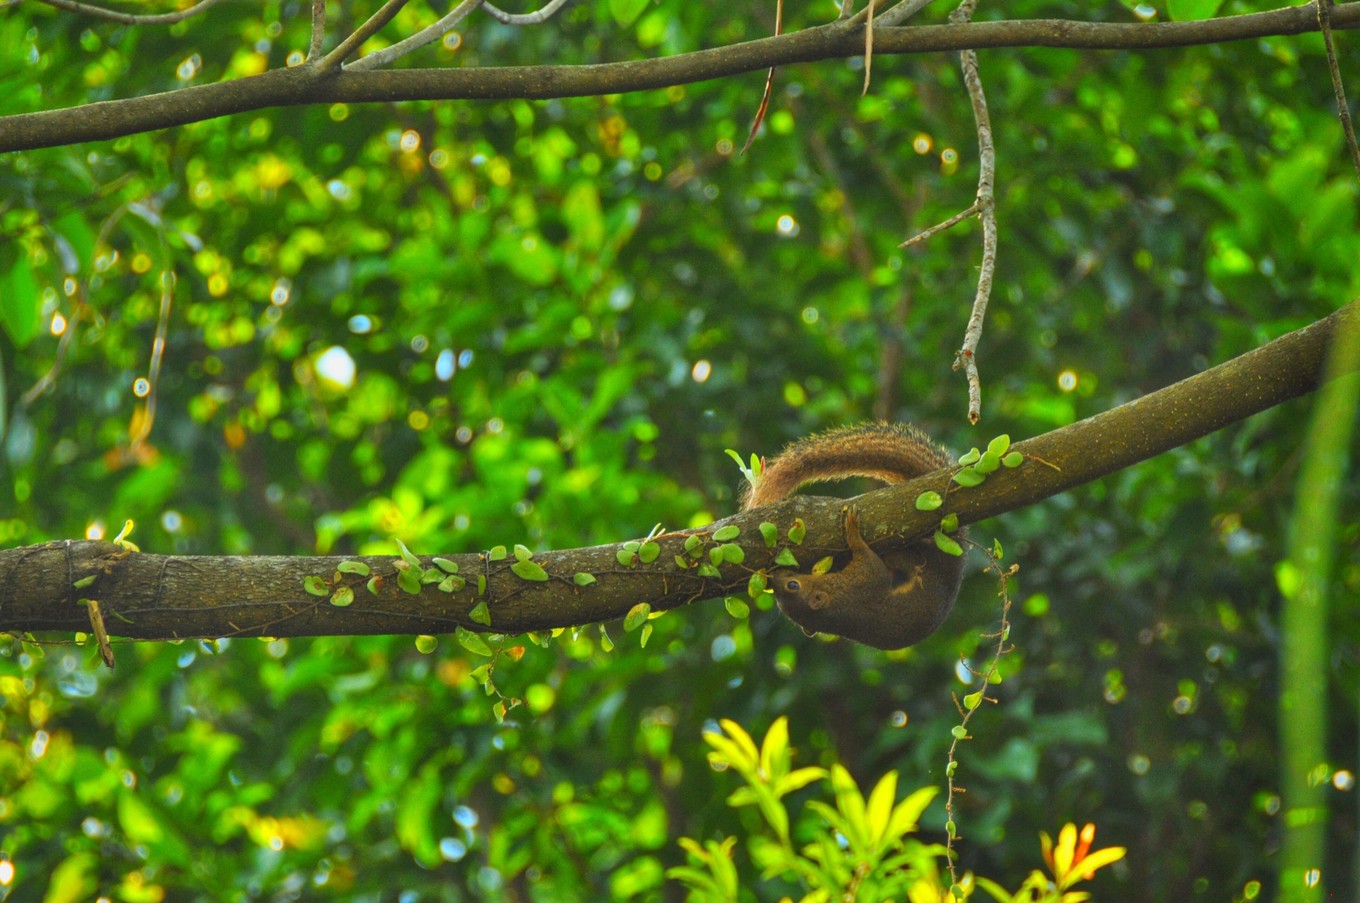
1324 17
114 15
940 227
986 204
901 12
370 27
318 30
894 15
426 35
314 84
534 18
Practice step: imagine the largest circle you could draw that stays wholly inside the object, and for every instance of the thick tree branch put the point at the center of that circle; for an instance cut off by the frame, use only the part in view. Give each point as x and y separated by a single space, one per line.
312 84
165 597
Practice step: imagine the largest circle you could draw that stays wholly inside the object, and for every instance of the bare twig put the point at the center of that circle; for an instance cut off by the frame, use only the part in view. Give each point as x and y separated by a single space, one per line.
539 15
318 30
427 35
940 227
362 33
893 15
900 13
1324 17
114 15
966 356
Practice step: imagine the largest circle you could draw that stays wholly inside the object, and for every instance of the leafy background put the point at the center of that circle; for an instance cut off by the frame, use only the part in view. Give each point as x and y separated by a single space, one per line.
560 314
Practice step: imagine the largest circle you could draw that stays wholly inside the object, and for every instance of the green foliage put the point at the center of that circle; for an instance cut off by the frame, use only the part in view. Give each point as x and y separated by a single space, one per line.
857 848
559 315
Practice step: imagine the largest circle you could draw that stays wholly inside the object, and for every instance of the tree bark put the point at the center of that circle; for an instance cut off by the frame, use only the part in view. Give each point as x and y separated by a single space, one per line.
170 597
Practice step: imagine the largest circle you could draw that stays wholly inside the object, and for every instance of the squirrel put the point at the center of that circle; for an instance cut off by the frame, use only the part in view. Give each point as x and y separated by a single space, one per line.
886 602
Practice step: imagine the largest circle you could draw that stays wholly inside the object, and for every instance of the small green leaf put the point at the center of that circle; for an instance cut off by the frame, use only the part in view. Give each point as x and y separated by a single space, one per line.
648 552
708 570
823 565
645 635
996 549
316 586
949 523
929 500
525 569
452 584
481 584
717 555
448 567
756 585
968 477
951 769
85 581
970 458
357 568
771 534
606 643
959 731
637 615
972 700
626 557
987 463
481 614
343 596
425 644
522 553
786 558
1014 459
682 562
693 542
581 578
999 446
374 584
409 581
798 531
406 555
731 531
737 608
472 642
431 576
497 553
733 553
947 544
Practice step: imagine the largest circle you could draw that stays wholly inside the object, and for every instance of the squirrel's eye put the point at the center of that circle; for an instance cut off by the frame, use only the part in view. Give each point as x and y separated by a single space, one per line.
792 586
